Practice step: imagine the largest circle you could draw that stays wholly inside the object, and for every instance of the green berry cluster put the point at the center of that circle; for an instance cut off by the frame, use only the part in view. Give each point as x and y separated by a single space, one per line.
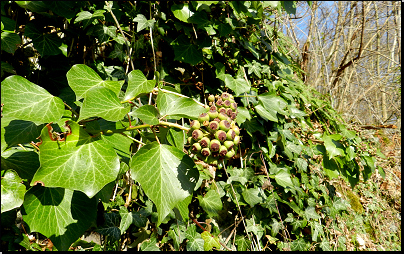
215 135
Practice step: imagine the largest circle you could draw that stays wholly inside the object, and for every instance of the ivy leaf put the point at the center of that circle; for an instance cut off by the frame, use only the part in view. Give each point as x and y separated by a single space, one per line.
330 167
270 204
325 245
102 102
252 196
166 174
10 41
82 78
103 33
331 147
25 163
150 245
311 213
147 113
46 44
110 227
209 241
181 12
186 51
211 203
242 243
316 229
257 229
283 179
224 29
182 208
254 67
299 245
60 214
143 23
118 52
275 227
238 86
173 105
273 103
12 191
20 132
176 138
242 115
195 241
267 115
29 102
88 163
138 84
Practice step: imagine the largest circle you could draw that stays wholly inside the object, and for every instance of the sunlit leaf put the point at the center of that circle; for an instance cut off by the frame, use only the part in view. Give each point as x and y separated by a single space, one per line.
102 102
79 163
211 203
238 85
195 241
143 23
209 241
166 174
138 84
12 191
181 12
62 215
27 101
174 105
147 113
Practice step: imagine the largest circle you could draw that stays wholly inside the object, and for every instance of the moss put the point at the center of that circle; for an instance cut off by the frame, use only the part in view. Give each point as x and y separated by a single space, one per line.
354 202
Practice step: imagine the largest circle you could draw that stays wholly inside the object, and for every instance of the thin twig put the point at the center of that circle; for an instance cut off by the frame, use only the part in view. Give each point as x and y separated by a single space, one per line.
120 29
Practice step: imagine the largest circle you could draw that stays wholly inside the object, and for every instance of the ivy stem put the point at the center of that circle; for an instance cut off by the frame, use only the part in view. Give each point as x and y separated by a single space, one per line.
72 110
154 132
120 29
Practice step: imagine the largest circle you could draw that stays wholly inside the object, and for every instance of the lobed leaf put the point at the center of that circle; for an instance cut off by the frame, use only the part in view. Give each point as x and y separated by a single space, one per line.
138 84
27 101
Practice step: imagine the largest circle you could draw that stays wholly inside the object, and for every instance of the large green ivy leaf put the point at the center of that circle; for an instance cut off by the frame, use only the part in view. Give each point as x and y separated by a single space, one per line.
26 101
186 51
252 196
102 102
242 243
181 12
143 22
299 245
10 41
147 113
238 85
283 179
138 84
60 214
311 213
166 174
254 227
12 191
82 78
46 44
331 147
209 241
211 203
195 241
20 132
26 163
273 103
267 115
173 105
79 163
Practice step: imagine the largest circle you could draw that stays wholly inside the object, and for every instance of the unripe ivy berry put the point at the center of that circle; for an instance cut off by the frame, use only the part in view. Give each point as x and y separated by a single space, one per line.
222 110
196 147
222 151
236 129
230 154
220 135
236 140
212 114
203 117
224 125
229 112
195 124
211 97
207 107
225 96
212 161
205 142
233 106
205 152
231 97
227 103
217 119
197 135
190 140
231 134
214 145
233 116
228 144
219 102
213 108
213 126
222 116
